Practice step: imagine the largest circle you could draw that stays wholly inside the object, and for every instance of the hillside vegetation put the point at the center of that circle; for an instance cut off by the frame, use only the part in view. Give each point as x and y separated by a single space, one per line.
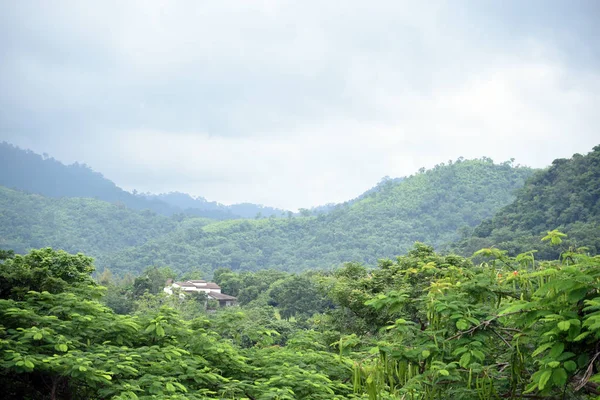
564 196
74 224
430 206
422 327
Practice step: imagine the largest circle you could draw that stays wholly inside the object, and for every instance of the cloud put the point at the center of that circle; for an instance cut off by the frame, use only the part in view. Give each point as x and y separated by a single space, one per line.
295 104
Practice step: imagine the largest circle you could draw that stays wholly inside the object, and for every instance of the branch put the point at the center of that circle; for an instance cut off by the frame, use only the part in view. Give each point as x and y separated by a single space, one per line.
588 373
483 324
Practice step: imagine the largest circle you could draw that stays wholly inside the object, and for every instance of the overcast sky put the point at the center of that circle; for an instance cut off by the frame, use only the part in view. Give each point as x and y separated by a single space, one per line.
296 104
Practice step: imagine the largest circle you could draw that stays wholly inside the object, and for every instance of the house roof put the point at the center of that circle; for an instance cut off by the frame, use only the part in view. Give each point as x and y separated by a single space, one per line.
212 285
186 284
196 281
220 296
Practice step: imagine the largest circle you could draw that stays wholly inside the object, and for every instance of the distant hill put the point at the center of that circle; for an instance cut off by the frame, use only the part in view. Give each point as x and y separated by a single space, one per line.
40 174
431 206
435 206
94 227
201 206
564 196
386 180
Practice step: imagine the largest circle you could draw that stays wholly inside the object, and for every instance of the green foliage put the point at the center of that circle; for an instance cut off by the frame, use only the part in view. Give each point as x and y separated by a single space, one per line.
44 270
76 225
422 326
431 206
57 341
564 196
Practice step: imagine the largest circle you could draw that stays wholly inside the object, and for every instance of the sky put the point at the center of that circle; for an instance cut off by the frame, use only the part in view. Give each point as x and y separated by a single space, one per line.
296 103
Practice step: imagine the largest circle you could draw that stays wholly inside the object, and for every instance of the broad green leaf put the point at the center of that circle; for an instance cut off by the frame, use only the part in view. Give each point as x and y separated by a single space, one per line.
570 365
464 360
559 377
564 325
462 325
556 350
544 378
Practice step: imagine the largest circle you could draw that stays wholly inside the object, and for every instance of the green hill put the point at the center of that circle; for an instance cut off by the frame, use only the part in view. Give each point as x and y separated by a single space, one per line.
41 174
74 224
564 196
430 206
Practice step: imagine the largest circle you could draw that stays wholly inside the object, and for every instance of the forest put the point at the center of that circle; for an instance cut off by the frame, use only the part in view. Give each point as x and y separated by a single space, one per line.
472 280
420 326
436 206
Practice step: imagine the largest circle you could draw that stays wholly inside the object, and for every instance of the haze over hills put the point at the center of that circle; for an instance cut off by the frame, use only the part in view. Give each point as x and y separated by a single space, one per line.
212 209
25 170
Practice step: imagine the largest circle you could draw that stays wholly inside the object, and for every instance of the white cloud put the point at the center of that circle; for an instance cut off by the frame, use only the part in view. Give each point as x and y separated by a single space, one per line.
290 104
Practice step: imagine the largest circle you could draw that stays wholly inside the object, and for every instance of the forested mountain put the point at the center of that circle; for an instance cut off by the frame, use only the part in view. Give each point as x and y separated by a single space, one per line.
75 224
40 174
430 206
565 196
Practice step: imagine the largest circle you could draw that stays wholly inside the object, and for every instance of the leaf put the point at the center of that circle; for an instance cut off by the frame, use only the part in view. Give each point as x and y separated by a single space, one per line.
564 325
556 350
160 331
464 360
559 377
61 347
38 336
544 378
570 365
425 353
553 364
582 336
462 325
444 372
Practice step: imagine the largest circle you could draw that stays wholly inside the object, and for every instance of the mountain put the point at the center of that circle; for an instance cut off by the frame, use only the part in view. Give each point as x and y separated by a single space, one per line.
564 196
386 180
40 174
202 207
30 172
431 206
434 206
75 224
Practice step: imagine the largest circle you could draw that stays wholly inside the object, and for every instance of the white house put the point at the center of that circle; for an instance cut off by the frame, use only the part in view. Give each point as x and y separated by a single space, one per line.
212 290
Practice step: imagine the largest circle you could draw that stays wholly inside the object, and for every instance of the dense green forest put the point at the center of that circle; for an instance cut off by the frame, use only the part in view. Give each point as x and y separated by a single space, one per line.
516 317
432 206
75 224
420 326
565 196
